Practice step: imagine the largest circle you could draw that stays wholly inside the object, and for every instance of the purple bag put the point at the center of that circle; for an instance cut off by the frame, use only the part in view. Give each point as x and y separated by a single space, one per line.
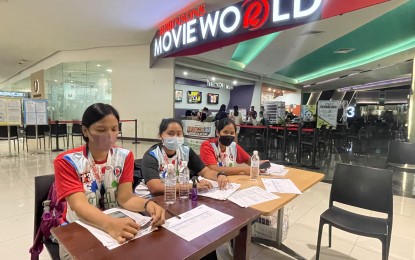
51 217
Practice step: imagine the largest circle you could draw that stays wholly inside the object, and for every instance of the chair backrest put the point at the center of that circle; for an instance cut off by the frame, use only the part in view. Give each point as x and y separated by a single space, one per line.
13 132
363 187
76 128
120 127
401 153
62 129
42 186
31 131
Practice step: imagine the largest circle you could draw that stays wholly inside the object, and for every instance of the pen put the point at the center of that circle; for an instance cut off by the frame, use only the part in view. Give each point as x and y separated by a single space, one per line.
174 215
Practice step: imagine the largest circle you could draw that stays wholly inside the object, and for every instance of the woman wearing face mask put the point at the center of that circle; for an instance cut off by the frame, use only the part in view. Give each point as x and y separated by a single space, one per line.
172 150
222 153
99 176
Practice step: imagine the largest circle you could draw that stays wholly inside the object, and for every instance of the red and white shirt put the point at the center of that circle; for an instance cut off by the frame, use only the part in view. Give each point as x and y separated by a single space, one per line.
210 154
77 171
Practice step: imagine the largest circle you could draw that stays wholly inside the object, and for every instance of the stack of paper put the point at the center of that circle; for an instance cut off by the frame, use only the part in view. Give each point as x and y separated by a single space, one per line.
251 196
196 222
276 170
281 186
106 239
219 194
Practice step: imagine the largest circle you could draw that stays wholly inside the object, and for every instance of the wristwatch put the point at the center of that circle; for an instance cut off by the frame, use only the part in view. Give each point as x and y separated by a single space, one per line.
221 173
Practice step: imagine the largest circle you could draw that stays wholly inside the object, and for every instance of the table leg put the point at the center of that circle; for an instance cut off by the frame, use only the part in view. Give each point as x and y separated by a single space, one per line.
242 245
57 137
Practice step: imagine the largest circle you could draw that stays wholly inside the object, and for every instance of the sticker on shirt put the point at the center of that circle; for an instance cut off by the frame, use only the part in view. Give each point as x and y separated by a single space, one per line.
118 171
86 177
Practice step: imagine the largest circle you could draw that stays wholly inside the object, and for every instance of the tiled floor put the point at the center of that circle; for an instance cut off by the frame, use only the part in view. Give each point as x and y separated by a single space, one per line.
16 216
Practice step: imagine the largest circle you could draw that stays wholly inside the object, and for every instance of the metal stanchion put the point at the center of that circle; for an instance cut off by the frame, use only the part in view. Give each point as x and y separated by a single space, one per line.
136 128
299 144
313 159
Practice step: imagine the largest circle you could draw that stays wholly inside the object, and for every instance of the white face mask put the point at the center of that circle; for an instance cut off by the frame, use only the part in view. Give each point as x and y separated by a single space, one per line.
173 143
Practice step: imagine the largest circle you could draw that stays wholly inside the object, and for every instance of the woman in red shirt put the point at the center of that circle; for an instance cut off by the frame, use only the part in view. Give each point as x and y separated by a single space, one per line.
222 153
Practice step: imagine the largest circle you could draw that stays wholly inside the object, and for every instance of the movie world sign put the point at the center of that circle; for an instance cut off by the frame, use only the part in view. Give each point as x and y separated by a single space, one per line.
195 32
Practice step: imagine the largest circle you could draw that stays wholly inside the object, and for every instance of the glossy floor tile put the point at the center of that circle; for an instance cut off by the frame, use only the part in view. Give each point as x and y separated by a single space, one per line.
16 217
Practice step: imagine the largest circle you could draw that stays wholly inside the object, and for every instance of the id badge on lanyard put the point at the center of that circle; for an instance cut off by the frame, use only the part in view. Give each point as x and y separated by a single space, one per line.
104 181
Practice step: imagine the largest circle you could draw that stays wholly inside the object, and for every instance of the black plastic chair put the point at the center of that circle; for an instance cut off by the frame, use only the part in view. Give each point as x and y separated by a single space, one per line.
42 186
76 131
13 135
363 187
401 156
30 133
61 130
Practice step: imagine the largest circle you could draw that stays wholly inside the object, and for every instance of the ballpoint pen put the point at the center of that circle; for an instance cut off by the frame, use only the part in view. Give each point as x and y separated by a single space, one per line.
174 215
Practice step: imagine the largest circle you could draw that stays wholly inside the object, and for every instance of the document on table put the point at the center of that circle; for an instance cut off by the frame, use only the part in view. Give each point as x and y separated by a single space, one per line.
196 222
110 242
219 194
280 186
251 196
276 170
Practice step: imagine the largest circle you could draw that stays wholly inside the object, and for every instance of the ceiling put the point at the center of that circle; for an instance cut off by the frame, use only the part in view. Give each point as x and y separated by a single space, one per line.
382 36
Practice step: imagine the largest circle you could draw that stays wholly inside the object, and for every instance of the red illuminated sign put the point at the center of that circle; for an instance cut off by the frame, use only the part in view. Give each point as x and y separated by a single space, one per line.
182 19
256 13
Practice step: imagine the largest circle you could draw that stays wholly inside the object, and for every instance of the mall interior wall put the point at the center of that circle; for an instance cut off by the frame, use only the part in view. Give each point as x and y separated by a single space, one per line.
138 92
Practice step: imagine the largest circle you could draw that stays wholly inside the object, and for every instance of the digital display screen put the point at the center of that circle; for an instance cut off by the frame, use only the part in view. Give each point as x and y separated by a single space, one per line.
213 98
194 97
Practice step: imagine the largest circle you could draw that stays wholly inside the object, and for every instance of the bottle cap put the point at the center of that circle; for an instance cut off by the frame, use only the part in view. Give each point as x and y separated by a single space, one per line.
184 164
255 152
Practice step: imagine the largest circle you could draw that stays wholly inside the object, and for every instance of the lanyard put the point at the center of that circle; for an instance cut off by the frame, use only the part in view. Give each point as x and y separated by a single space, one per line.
175 160
222 157
102 181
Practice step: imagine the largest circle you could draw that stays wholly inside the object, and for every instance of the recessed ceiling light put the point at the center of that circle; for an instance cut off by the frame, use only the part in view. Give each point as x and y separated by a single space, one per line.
71 81
344 50
235 82
98 65
269 89
109 70
273 90
213 78
56 80
185 73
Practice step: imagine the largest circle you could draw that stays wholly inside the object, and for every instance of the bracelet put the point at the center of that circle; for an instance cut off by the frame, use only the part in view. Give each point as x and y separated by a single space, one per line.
145 204
221 173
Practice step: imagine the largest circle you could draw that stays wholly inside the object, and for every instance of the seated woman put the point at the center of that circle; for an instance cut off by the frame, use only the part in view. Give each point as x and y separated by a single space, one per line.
172 150
99 176
222 153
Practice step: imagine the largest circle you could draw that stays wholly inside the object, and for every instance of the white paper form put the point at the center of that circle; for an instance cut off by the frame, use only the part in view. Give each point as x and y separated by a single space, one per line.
30 106
110 242
196 222
251 196
219 194
281 186
40 107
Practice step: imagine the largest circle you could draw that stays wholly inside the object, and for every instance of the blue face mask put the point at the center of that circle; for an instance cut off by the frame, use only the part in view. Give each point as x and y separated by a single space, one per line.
173 143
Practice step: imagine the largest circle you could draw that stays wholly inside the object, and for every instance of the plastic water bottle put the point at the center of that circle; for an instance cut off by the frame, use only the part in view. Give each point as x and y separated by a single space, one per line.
255 166
170 185
184 181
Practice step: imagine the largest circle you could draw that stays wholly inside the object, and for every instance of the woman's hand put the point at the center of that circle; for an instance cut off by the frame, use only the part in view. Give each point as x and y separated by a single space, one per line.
157 213
122 229
204 185
223 182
